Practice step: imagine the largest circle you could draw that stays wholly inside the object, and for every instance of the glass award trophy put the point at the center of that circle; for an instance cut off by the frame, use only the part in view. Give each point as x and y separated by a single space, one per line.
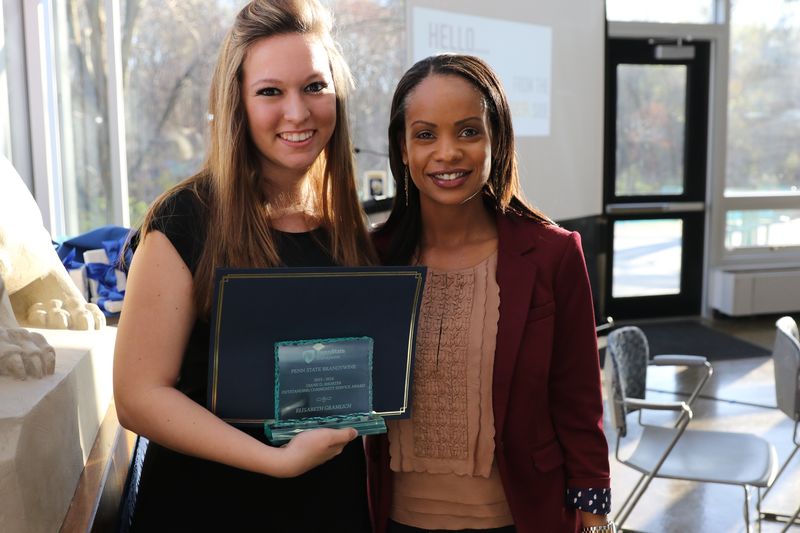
323 383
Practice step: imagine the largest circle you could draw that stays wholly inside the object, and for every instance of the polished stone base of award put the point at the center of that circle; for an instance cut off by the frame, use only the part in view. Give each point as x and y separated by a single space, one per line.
280 432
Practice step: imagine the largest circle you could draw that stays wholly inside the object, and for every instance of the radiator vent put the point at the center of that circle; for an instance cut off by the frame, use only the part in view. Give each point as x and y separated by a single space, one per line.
755 292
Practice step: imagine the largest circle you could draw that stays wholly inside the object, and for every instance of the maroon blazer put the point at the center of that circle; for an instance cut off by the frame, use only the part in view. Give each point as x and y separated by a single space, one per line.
548 410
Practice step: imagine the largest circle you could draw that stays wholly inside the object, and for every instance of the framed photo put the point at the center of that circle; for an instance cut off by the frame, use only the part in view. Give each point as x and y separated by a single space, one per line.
375 184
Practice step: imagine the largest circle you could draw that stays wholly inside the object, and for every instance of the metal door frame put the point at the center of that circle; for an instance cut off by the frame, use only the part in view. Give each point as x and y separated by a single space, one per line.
690 206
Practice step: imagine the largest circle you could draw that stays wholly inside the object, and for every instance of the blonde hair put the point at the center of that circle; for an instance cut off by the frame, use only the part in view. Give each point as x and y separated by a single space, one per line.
239 235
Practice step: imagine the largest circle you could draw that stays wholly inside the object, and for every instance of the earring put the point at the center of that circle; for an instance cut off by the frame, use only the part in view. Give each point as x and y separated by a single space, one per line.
405 180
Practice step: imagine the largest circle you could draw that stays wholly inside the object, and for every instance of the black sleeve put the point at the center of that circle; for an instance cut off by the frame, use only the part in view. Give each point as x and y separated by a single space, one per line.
183 220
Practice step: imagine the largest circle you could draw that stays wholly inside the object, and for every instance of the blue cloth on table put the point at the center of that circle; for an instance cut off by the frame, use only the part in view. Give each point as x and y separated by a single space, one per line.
94 239
109 238
69 261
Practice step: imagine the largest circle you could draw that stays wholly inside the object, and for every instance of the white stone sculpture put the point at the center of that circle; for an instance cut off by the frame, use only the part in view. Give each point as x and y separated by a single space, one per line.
23 353
37 286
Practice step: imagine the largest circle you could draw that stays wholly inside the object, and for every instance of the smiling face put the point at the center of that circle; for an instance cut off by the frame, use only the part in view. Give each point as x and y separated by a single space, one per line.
447 144
290 102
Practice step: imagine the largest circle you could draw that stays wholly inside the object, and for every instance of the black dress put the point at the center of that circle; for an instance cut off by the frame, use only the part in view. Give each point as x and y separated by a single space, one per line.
177 492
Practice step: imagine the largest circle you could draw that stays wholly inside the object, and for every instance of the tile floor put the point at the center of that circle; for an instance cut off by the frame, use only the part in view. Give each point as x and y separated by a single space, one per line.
739 397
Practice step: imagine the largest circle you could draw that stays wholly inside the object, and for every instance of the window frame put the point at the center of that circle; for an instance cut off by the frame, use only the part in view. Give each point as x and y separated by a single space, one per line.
755 256
43 123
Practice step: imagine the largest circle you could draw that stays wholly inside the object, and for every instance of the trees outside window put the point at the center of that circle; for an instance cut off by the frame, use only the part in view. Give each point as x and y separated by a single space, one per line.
764 98
168 53
168 49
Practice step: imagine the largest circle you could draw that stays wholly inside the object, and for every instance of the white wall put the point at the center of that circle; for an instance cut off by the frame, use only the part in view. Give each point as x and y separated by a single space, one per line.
562 173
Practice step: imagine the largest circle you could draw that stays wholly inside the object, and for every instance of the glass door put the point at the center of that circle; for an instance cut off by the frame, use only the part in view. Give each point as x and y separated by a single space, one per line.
655 175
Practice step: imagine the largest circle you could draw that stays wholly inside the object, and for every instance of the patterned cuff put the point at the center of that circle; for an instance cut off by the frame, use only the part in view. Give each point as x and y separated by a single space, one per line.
595 501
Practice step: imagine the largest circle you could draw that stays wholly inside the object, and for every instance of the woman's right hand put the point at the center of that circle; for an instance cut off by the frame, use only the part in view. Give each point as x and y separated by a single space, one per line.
312 448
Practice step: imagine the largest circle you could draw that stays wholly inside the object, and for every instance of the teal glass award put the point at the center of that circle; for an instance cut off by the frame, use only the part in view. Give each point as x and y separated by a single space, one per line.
323 383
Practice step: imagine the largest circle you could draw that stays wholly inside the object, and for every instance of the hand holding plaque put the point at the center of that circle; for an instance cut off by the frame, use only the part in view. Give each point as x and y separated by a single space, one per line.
323 383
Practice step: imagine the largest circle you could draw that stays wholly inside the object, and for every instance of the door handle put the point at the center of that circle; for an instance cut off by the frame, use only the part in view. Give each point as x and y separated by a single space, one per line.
654 207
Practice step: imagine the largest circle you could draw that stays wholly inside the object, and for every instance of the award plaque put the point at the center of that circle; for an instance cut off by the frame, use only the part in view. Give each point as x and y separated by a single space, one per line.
263 320
323 383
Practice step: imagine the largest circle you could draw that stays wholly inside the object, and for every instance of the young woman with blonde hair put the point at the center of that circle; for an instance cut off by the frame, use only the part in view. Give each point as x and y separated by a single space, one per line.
277 189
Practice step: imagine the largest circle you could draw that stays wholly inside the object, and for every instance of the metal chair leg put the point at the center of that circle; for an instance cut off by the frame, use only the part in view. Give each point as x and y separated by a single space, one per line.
777 516
621 517
627 501
758 508
783 467
792 521
747 508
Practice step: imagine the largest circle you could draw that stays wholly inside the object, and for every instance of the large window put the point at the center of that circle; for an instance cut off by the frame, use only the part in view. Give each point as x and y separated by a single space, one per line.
764 98
763 148
168 53
79 44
